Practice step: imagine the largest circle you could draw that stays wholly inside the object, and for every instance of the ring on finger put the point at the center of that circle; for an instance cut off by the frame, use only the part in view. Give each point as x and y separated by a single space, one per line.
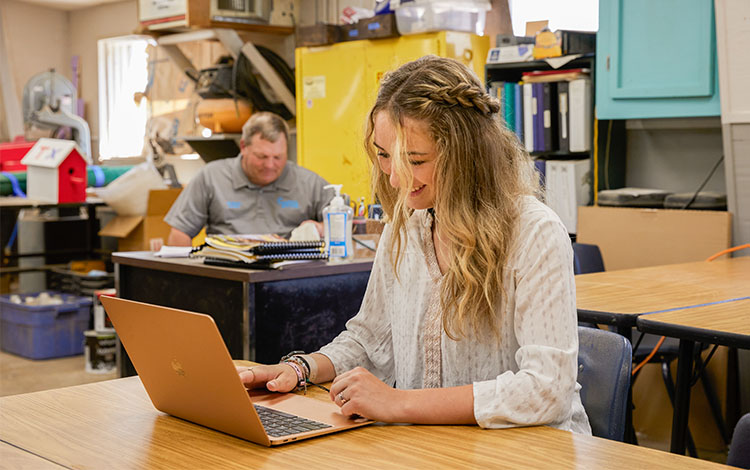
342 399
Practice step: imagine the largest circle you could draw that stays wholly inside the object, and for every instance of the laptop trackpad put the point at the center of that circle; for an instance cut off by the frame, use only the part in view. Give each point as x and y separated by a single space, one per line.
307 407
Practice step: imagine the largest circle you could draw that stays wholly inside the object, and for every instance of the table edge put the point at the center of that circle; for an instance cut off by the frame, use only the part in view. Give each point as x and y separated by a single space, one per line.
691 333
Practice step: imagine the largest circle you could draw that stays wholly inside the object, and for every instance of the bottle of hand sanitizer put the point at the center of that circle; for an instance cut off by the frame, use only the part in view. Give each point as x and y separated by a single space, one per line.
337 217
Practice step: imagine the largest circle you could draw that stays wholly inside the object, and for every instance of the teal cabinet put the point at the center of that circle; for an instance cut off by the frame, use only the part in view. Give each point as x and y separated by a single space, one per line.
656 59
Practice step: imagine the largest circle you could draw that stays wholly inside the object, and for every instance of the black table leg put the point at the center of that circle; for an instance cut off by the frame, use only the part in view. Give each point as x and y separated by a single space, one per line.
682 398
630 436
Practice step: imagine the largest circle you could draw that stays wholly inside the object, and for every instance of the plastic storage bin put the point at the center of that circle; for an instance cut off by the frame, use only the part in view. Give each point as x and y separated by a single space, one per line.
421 16
44 331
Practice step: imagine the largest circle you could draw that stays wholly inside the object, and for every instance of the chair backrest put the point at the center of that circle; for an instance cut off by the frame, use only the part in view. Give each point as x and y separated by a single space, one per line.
604 362
739 450
587 259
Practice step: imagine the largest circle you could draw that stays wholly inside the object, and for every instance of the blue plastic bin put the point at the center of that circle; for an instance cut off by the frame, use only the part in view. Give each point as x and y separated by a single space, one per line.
44 331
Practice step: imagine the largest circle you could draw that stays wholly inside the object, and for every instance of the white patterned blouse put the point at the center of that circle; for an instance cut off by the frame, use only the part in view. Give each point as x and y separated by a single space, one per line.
526 377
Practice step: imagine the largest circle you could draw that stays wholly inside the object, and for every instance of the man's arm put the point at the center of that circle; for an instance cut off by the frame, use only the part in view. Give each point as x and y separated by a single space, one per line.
179 238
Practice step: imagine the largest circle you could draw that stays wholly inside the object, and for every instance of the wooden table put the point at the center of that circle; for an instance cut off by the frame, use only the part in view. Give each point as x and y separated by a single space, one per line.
113 425
618 297
227 294
15 458
725 323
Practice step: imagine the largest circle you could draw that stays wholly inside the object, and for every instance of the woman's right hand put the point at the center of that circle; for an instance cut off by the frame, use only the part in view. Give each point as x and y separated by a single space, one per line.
276 378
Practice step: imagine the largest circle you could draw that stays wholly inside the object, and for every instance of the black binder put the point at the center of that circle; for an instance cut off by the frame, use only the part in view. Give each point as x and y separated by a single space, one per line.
549 116
563 114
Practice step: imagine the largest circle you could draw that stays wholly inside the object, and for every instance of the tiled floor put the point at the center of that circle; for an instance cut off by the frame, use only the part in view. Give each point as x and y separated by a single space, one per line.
20 375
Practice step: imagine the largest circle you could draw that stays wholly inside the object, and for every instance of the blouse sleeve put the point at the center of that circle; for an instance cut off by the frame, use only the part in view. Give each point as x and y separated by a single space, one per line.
545 326
367 341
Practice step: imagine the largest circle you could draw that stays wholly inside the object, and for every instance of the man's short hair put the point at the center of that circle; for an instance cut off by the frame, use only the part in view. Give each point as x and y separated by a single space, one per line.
269 125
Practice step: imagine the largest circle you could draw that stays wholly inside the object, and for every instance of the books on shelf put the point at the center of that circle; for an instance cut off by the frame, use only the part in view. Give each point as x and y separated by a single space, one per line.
256 251
551 111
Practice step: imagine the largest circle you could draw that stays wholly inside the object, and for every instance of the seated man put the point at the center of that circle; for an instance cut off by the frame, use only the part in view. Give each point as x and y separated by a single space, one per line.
256 192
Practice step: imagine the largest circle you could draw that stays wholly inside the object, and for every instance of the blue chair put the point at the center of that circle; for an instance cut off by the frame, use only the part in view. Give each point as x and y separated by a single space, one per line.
587 259
604 364
739 450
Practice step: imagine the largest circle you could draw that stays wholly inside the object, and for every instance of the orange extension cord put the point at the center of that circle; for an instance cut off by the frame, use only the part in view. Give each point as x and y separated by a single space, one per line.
661 340
728 250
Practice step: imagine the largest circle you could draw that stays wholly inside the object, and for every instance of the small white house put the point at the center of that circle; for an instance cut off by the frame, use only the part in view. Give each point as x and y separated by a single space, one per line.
56 171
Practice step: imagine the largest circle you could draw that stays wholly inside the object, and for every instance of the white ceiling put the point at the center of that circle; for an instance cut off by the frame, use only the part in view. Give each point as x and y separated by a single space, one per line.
68 5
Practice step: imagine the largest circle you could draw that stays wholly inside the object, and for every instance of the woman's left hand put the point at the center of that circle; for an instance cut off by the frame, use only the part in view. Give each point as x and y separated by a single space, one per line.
359 392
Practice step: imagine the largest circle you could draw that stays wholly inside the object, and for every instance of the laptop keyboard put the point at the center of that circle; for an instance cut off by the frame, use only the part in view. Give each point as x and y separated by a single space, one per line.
277 423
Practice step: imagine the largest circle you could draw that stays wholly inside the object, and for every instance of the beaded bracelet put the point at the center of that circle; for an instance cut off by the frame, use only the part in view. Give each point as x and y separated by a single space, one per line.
301 379
310 365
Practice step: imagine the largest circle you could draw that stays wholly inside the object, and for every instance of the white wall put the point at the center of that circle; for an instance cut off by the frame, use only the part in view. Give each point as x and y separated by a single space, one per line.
87 26
37 39
676 157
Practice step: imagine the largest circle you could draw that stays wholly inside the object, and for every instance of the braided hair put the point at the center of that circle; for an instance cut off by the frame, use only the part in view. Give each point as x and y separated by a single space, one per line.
465 95
481 173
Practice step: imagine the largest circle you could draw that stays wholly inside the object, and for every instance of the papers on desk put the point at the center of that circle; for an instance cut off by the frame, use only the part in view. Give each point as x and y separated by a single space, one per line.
174 251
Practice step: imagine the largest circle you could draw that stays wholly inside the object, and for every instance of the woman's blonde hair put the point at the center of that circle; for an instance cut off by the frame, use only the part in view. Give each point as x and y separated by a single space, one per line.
481 174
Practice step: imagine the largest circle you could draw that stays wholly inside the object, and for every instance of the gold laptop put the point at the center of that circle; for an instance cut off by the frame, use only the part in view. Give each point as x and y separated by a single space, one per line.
188 373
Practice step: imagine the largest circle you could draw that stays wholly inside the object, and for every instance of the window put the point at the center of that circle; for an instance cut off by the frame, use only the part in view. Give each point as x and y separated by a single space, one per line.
123 71
578 15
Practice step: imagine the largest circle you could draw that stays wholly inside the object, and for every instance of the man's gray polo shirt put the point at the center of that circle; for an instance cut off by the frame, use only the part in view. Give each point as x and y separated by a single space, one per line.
223 199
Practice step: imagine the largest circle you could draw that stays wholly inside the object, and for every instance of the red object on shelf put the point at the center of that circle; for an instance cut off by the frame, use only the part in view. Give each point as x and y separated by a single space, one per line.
56 172
537 73
11 154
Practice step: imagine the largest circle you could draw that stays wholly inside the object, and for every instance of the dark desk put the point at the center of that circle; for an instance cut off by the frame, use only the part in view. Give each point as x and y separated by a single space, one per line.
725 323
64 246
241 301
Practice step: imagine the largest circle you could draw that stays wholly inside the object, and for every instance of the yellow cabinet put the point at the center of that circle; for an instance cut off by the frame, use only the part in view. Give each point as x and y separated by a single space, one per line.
337 85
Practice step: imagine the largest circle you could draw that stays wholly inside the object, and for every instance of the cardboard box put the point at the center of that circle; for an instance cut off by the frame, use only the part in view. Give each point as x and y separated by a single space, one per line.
145 232
317 35
377 27
635 237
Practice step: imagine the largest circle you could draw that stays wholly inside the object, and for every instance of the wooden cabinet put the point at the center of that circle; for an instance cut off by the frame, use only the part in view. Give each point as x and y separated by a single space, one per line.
656 59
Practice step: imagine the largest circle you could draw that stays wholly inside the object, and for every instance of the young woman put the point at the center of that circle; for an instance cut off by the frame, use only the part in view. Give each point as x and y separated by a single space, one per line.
469 315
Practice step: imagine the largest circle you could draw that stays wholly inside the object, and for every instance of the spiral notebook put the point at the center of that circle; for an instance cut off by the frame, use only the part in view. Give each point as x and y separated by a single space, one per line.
260 256
317 246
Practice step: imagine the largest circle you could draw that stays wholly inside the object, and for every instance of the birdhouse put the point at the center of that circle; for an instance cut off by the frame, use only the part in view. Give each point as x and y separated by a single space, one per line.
56 171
